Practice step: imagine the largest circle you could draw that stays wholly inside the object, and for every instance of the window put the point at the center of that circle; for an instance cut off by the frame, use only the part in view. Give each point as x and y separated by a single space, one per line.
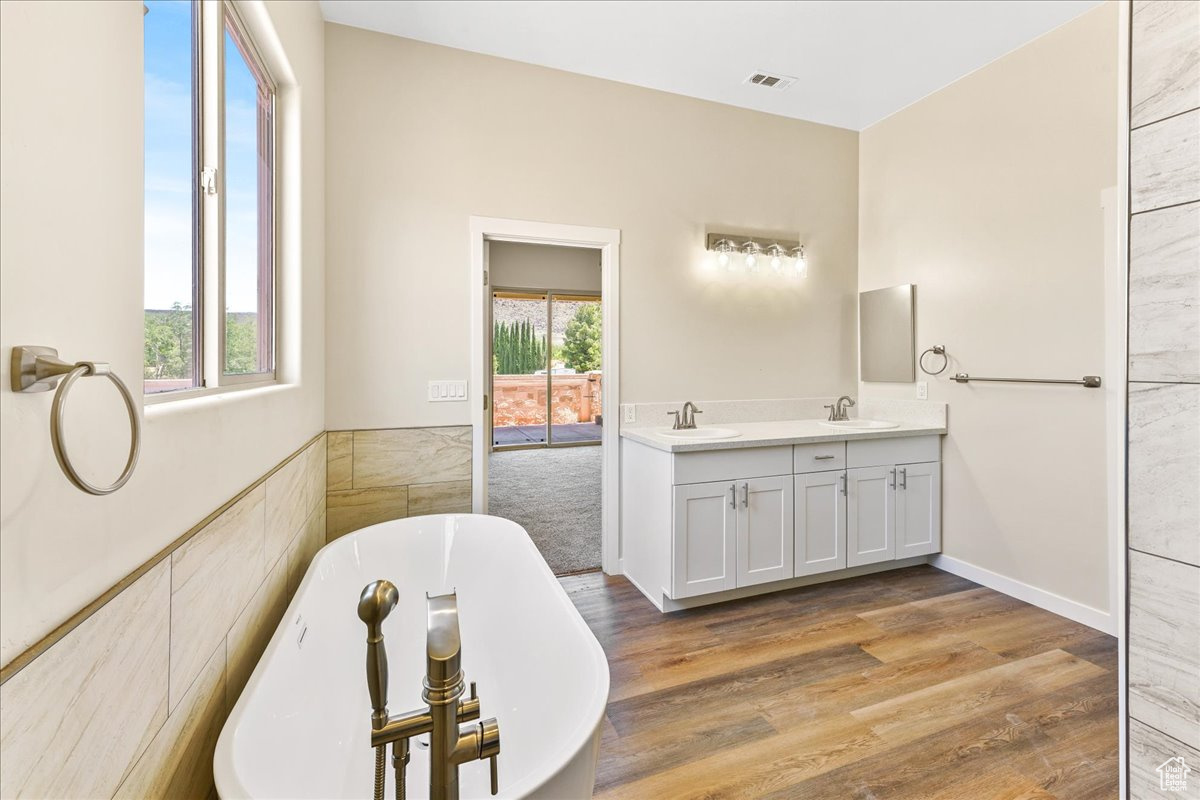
172 215
210 194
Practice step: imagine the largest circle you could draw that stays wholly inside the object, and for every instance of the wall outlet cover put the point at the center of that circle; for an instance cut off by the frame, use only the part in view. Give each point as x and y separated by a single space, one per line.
629 413
922 390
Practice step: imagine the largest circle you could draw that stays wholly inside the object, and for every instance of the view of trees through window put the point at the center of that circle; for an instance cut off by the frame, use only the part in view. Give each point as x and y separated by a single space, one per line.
581 342
519 344
169 344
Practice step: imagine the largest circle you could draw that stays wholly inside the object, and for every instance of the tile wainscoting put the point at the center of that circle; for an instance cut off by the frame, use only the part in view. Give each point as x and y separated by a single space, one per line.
129 702
1163 638
377 475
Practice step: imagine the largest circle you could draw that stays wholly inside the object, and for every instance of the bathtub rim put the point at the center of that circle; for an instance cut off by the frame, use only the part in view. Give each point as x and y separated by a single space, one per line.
223 762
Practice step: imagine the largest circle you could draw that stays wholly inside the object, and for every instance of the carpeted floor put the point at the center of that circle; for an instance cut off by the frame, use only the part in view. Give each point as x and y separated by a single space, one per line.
554 493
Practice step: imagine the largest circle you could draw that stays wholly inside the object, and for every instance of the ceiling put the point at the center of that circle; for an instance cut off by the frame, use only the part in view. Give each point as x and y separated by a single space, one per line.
854 62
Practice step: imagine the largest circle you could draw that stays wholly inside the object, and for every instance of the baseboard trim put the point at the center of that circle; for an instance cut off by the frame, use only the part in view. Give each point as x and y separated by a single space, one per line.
1055 604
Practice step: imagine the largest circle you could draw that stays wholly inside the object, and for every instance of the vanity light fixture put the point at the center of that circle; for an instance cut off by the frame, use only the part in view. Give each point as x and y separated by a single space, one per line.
753 250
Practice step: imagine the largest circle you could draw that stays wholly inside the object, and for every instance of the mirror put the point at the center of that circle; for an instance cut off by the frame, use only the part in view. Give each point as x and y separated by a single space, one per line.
885 335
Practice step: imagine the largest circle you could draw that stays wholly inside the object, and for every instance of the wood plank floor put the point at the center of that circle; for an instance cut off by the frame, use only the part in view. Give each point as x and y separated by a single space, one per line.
907 684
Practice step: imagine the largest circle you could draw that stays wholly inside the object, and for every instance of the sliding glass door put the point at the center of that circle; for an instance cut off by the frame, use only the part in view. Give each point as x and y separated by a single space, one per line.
546 369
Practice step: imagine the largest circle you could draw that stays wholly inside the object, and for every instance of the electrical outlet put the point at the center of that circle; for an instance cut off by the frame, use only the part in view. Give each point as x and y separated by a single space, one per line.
447 391
922 390
629 413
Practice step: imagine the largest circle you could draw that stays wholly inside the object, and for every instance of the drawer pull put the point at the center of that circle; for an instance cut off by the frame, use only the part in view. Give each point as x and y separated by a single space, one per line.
823 458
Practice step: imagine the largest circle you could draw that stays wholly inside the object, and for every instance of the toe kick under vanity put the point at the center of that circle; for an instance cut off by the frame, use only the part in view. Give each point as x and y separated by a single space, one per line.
782 505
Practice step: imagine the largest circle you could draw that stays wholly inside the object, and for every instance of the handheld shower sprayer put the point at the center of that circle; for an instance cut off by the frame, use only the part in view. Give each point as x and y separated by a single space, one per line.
377 601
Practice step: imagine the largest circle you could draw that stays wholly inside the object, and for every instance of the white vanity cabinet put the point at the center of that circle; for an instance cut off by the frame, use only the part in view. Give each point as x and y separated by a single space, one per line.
719 522
870 516
893 512
732 532
704 538
918 509
893 499
820 524
764 536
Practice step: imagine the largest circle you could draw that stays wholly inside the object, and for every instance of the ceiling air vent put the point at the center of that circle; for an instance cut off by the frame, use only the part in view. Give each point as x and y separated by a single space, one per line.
778 82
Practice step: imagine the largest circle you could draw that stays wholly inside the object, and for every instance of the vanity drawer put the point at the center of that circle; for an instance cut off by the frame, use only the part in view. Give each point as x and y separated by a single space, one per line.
885 452
818 457
732 465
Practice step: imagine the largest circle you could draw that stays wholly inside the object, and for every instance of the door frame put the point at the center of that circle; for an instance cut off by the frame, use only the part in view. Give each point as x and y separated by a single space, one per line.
608 242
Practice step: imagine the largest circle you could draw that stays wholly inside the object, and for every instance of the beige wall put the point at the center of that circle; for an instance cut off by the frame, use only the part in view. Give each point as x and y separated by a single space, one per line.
421 137
986 195
538 266
71 277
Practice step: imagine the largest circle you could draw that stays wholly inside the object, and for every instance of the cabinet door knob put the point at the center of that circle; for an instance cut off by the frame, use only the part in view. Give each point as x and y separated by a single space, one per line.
845 484
903 477
745 495
893 478
733 495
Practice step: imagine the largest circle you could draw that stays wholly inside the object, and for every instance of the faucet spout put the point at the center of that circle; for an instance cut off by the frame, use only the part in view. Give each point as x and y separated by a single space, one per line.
689 415
843 402
443 650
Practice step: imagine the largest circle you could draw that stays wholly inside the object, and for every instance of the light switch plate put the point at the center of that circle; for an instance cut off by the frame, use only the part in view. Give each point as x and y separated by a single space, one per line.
629 413
447 391
922 390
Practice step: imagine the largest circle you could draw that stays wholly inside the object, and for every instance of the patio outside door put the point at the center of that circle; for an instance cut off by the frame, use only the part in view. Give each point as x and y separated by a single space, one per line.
546 371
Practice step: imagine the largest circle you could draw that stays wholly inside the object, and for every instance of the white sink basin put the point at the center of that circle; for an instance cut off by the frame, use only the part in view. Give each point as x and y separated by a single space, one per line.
700 433
861 424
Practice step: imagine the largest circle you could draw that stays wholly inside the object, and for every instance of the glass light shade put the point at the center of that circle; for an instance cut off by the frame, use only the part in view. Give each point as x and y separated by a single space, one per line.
724 249
801 266
777 254
751 251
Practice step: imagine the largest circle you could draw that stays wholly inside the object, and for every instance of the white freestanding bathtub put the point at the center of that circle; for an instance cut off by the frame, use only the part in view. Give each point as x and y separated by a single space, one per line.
302 726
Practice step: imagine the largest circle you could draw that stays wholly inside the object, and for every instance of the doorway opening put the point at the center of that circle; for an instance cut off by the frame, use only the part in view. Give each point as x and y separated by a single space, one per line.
487 234
546 416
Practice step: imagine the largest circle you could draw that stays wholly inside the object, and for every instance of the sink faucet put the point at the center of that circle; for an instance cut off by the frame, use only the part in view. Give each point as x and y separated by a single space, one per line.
686 421
837 411
452 740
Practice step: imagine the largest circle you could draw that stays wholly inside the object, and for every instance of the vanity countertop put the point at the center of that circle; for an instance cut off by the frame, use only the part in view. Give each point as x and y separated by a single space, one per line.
770 434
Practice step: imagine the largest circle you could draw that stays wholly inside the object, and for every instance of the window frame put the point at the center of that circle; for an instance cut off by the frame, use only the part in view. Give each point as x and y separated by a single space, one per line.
210 18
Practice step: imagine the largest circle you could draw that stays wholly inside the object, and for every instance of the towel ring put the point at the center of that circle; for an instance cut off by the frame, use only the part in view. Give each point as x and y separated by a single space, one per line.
939 350
37 369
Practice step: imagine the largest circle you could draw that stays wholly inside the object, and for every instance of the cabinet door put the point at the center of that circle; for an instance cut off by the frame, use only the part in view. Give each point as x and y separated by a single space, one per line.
870 515
704 546
918 509
820 522
764 540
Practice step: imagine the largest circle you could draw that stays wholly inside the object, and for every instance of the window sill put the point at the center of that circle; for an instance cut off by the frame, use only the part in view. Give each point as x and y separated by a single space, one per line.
190 399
